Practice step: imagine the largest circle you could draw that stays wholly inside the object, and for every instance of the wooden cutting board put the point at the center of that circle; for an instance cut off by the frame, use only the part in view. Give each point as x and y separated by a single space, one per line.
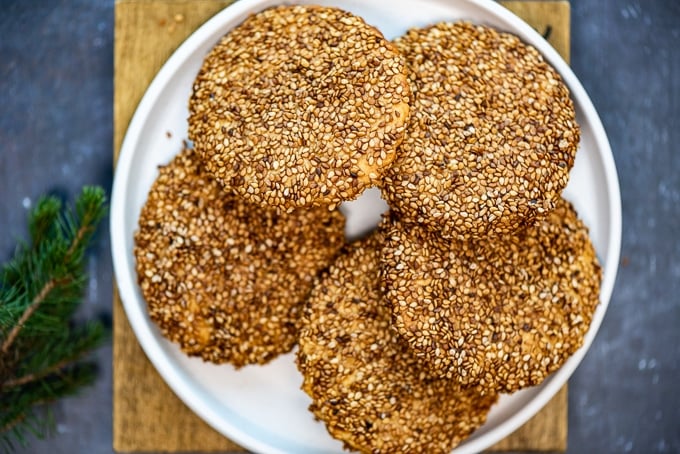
147 416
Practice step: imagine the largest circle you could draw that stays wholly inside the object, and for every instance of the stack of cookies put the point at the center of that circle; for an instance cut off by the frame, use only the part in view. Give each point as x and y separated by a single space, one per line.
479 280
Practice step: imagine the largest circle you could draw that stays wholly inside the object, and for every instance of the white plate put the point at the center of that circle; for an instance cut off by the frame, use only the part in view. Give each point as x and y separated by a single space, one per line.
261 407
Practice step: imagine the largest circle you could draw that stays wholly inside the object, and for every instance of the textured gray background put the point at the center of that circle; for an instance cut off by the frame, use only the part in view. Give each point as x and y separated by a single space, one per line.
56 94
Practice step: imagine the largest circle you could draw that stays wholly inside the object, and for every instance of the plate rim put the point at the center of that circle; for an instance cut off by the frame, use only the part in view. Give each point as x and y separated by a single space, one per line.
175 377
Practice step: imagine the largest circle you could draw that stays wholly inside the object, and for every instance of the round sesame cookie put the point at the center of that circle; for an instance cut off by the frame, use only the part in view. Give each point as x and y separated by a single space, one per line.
496 314
224 279
366 385
300 106
491 138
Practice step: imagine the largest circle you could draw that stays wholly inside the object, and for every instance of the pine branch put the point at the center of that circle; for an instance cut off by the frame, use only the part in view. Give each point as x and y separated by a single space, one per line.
10 425
81 342
38 375
41 350
30 412
40 297
39 229
63 349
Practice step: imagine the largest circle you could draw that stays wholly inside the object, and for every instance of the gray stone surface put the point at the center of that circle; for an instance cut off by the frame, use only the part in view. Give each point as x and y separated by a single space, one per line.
56 135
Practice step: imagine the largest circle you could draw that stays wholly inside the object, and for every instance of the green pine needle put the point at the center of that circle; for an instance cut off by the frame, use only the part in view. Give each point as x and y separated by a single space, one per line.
43 354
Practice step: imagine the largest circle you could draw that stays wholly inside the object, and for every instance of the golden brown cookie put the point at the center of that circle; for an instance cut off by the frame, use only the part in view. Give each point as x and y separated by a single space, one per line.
366 384
495 314
224 279
300 106
491 137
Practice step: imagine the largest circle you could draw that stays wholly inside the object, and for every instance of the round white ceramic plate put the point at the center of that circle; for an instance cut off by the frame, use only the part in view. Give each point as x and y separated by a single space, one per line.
262 407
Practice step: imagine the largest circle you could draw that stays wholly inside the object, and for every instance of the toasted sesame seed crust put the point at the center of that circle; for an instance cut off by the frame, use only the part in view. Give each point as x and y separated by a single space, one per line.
224 279
491 137
497 315
366 385
300 106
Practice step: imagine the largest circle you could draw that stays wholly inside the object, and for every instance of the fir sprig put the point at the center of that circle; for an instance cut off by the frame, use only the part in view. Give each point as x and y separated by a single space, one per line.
42 350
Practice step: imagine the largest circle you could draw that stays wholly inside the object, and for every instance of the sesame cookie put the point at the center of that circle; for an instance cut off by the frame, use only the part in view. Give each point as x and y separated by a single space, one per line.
499 315
300 106
366 384
491 137
224 279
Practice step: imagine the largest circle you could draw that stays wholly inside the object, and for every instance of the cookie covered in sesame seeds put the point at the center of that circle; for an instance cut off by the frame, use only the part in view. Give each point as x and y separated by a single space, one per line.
491 138
366 384
493 314
300 106
225 279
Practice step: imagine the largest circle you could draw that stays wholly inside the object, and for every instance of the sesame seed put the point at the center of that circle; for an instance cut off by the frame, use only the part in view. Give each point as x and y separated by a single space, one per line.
517 298
494 135
228 290
369 388
294 88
